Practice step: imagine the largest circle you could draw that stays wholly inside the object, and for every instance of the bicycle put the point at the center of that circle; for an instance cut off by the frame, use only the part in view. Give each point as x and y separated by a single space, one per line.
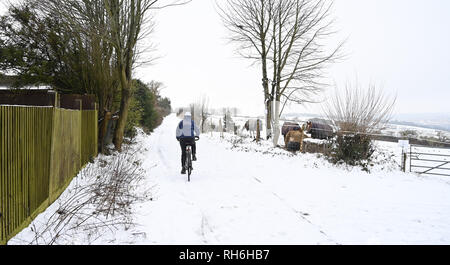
188 163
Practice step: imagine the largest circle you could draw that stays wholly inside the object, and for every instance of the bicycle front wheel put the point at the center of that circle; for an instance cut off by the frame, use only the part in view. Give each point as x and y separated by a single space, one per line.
189 164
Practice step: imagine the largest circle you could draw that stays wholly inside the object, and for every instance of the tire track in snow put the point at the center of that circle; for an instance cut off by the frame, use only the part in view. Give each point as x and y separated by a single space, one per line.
162 157
205 229
159 144
160 153
178 193
186 203
301 214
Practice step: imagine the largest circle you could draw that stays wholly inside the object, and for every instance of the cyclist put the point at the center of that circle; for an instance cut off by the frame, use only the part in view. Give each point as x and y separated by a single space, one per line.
186 132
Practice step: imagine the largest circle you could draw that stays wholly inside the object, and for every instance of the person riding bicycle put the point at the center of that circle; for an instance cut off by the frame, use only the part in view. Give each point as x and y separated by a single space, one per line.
186 132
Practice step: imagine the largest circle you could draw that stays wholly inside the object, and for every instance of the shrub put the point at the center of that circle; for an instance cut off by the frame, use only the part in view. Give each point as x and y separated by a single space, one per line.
134 118
147 109
354 150
359 113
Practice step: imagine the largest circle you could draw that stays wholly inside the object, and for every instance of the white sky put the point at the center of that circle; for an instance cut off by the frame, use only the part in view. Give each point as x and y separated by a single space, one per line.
402 45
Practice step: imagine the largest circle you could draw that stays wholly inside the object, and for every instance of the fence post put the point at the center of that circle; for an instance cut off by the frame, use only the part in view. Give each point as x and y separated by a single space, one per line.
80 104
257 130
403 160
410 157
57 100
52 170
96 129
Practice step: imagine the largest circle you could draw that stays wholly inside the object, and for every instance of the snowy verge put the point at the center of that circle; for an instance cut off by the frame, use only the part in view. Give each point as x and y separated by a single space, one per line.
97 207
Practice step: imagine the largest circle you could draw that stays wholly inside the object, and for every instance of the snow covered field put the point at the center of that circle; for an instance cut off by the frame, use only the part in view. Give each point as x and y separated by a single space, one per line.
248 193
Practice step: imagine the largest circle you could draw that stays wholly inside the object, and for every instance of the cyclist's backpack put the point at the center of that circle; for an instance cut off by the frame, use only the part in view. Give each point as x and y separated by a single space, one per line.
180 125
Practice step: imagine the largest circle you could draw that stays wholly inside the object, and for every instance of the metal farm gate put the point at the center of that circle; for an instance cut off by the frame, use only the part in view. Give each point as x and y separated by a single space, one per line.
429 160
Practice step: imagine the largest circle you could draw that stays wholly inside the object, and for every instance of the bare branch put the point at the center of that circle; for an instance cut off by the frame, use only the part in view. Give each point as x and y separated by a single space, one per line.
359 110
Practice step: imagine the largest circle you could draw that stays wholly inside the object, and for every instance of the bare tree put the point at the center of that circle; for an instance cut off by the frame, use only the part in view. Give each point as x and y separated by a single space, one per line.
156 87
203 108
200 112
126 20
249 22
359 110
287 37
299 55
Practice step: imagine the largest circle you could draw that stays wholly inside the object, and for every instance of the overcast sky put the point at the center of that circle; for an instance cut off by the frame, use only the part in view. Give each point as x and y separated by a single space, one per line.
401 45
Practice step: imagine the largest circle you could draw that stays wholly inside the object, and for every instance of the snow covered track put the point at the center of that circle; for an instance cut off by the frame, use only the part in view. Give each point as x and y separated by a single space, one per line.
250 198
222 205
247 193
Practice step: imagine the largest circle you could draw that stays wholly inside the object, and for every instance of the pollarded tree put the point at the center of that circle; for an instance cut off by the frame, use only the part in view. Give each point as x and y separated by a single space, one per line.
287 37
358 112
203 105
299 55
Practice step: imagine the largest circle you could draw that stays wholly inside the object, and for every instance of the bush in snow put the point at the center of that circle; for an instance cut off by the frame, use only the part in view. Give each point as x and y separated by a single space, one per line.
359 113
147 107
354 150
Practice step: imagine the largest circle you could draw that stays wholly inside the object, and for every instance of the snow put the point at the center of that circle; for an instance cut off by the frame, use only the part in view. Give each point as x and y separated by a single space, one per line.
242 192
27 87
395 130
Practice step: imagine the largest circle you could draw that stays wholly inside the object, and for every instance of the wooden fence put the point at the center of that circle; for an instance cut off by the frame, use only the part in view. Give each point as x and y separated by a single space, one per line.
42 149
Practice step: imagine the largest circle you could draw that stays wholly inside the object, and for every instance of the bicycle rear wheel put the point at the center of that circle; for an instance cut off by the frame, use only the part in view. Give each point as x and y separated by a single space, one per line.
189 163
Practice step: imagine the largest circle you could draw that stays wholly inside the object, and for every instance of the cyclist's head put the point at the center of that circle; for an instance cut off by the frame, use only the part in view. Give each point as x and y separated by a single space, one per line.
187 114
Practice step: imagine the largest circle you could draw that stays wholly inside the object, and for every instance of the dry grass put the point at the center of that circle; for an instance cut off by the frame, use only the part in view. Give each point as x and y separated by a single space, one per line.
101 203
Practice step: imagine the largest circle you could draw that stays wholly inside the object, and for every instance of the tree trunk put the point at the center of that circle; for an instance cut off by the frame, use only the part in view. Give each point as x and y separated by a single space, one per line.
269 110
257 130
123 113
267 101
102 131
276 124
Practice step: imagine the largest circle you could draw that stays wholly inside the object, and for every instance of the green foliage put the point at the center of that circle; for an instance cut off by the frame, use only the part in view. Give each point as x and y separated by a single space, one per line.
354 150
147 103
6 80
147 110
165 105
35 48
134 118
43 49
